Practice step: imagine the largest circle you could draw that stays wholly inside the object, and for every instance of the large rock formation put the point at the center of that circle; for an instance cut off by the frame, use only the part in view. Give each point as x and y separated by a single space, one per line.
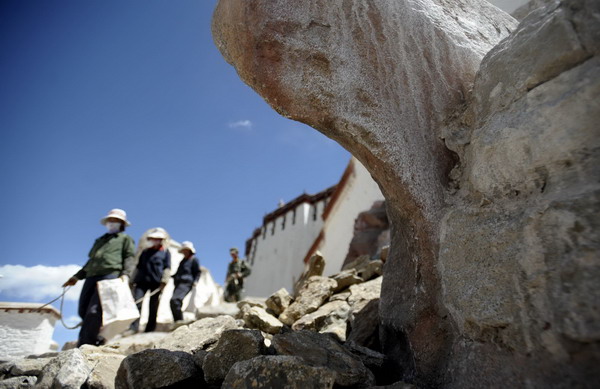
489 167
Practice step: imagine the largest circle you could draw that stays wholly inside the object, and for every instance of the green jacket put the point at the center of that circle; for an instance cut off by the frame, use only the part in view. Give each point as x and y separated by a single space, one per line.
111 253
237 267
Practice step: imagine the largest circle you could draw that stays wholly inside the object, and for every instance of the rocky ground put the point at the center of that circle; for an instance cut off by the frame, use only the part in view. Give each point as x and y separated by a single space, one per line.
325 337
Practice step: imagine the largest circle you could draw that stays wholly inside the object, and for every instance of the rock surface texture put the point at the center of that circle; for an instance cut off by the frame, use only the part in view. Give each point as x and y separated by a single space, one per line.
487 152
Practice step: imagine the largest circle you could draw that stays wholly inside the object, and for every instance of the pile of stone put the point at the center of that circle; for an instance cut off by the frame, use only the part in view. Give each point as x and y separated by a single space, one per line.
325 336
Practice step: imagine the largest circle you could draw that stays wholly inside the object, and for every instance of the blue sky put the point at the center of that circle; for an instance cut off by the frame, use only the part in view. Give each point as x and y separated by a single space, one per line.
112 104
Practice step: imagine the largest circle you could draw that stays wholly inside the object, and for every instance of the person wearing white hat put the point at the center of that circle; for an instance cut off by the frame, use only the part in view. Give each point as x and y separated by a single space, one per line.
152 274
111 256
186 278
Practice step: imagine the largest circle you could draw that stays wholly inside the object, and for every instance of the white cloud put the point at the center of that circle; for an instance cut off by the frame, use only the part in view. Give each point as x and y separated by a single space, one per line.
38 283
247 124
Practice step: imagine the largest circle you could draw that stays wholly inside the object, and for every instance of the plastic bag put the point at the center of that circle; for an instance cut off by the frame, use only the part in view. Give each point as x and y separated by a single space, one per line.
118 307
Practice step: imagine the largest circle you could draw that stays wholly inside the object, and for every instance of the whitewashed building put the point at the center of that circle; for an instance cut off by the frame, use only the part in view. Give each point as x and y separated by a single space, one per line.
278 250
26 330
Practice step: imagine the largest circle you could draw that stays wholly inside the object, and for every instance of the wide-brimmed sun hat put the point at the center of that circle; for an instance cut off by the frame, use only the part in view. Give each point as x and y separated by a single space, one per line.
157 234
187 245
116 214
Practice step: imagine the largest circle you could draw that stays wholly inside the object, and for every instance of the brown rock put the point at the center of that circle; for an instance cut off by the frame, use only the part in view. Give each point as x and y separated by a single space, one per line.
314 293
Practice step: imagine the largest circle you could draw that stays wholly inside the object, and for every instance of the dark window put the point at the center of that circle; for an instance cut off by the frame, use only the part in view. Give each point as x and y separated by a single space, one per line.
264 232
283 223
273 228
315 211
294 217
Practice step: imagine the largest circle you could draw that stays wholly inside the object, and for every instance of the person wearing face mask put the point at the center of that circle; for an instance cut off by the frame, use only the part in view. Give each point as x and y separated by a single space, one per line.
111 256
152 274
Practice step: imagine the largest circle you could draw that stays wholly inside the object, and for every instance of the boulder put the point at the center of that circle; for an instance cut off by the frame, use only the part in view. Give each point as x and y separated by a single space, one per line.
316 291
25 367
258 318
252 302
369 227
135 343
233 346
278 371
224 308
314 267
363 326
22 382
341 296
105 363
322 350
68 370
370 270
199 335
362 294
346 278
487 157
329 318
157 368
279 301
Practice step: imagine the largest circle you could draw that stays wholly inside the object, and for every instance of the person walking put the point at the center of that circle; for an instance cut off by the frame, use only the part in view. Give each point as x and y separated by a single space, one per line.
237 270
111 256
152 274
185 278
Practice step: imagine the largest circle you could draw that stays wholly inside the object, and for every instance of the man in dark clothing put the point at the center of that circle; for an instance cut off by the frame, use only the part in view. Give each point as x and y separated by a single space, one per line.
237 270
153 272
185 278
111 256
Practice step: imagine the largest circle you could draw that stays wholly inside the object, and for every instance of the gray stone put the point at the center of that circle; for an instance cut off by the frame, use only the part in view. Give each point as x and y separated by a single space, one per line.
314 267
492 195
314 293
68 370
362 294
268 372
321 350
329 318
363 325
252 302
135 343
346 278
225 308
105 362
28 366
234 346
370 235
370 270
201 334
342 296
22 382
156 368
279 301
258 318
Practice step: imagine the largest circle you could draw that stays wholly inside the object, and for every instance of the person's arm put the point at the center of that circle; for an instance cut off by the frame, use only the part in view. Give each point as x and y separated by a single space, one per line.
128 255
245 269
196 270
81 274
166 269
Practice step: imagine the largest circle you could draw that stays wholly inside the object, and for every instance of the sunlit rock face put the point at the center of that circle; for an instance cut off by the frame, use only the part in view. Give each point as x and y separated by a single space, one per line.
488 166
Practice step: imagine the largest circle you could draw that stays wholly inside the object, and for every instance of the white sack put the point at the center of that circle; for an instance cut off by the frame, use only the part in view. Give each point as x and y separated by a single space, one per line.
205 293
118 307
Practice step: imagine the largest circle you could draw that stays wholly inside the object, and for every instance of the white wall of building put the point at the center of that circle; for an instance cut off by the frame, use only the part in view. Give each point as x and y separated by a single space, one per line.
358 195
277 255
25 332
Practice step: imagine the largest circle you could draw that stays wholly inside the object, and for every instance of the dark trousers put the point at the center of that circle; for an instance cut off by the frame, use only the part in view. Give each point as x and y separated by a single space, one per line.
181 290
90 311
139 291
